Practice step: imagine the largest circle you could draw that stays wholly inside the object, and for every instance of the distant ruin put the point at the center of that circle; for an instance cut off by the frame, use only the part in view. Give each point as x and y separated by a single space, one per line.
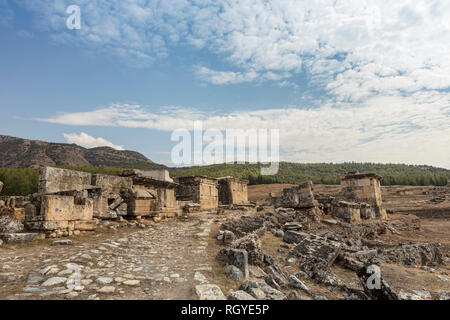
150 196
359 198
362 195
233 191
200 190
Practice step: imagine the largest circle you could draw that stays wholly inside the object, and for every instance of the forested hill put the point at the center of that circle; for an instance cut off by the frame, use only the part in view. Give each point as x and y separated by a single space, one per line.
24 181
323 173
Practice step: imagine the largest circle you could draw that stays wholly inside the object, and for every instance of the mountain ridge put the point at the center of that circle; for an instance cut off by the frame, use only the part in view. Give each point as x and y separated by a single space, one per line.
25 153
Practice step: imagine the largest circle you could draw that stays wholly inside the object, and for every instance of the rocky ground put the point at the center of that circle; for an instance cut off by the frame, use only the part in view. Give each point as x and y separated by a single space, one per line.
155 261
265 254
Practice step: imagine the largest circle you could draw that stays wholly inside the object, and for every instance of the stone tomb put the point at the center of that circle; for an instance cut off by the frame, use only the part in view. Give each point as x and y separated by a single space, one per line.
198 189
300 196
150 196
361 195
232 191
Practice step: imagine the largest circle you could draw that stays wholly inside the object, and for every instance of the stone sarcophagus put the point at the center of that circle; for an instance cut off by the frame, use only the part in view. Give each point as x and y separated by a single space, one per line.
150 196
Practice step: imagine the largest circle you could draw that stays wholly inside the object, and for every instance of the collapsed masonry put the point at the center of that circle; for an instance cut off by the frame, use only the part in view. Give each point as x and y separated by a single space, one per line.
70 202
359 199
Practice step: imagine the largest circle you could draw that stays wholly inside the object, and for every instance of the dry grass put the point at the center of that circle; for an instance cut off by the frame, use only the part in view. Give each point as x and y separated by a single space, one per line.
218 275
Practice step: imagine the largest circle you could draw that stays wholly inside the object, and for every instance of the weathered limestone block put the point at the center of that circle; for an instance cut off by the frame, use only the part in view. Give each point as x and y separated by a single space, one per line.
235 257
84 225
64 208
10 225
31 212
112 184
299 197
232 191
367 211
209 292
240 295
313 252
201 190
53 180
20 237
162 175
252 245
349 212
47 225
18 213
142 202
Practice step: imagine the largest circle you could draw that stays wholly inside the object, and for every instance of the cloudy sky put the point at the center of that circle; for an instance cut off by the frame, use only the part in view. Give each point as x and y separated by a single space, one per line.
350 80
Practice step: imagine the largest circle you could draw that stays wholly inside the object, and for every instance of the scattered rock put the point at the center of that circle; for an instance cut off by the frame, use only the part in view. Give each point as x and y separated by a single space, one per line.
209 292
107 289
132 283
54 281
62 243
235 273
104 280
240 295
296 283
235 257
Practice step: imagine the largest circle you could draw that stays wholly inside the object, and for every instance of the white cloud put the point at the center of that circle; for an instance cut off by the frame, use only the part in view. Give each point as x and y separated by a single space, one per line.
411 129
87 141
354 48
384 65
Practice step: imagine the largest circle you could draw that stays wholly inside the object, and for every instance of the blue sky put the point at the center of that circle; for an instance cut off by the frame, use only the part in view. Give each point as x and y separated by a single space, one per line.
342 80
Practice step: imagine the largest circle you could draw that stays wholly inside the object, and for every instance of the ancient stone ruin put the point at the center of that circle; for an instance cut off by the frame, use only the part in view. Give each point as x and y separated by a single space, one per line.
359 199
361 195
69 202
199 190
299 197
152 194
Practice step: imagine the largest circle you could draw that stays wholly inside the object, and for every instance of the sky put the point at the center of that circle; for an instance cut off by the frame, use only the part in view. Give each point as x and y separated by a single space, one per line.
350 80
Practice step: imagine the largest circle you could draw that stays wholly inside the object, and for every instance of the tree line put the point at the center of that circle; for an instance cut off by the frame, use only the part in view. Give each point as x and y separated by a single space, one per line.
25 181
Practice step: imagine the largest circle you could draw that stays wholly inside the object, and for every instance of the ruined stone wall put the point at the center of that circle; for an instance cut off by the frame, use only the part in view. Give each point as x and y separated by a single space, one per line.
233 191
52 180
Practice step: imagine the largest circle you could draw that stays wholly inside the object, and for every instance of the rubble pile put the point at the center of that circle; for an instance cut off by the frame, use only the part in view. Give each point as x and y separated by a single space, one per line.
349 241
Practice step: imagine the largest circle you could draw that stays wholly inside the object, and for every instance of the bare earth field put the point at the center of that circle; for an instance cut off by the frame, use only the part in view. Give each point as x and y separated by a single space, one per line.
166 260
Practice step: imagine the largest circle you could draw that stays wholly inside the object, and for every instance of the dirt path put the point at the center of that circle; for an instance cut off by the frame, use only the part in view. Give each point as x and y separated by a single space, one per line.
159 262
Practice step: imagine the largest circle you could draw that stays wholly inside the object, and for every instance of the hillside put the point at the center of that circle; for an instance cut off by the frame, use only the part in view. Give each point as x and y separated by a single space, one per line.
23 153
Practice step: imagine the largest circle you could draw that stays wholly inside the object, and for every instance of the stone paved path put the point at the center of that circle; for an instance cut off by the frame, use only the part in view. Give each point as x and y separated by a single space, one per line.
163 261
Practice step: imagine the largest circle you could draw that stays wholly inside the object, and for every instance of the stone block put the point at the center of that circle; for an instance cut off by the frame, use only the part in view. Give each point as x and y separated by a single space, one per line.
53 180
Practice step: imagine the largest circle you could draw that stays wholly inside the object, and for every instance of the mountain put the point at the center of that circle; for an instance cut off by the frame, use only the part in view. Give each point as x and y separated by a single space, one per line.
23 153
